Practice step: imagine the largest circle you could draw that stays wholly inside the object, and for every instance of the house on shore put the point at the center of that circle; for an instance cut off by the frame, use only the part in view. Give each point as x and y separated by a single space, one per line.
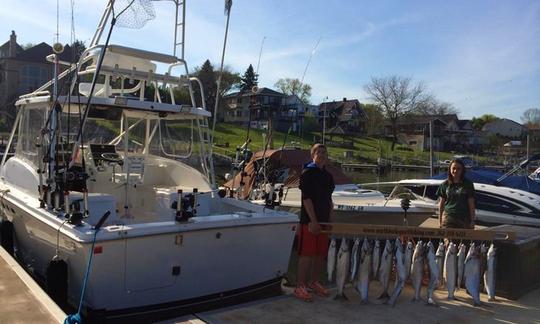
505 128
448 133
264 109
347 114
23 71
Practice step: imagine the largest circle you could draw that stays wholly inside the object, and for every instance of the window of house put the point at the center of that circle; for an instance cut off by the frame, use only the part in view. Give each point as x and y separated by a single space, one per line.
32 77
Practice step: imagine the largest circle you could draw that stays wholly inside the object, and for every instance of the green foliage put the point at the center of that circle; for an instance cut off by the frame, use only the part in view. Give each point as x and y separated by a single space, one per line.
294 87
375 119
208 79
78 48
366 149
311 125
479 122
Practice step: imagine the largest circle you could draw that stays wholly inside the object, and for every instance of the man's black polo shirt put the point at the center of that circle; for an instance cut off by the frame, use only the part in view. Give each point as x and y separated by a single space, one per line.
316 184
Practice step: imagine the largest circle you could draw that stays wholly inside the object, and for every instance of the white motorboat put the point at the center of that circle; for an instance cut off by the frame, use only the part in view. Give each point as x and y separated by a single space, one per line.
271 178
494 204
170 242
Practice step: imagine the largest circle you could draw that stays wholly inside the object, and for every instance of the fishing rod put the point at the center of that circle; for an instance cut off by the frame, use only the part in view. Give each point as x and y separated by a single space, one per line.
245 153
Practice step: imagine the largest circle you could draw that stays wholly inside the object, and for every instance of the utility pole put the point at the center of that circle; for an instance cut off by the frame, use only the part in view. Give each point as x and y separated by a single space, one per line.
528 142
324 120
430 149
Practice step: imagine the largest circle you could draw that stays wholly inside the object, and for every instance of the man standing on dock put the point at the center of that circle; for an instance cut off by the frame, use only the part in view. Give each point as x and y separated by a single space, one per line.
317 185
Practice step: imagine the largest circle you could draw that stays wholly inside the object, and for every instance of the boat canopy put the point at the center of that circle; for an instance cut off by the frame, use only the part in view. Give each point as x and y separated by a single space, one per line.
521 182
283 165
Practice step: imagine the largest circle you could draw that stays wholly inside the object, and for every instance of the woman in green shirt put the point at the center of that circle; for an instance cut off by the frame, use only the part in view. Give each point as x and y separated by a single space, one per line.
456 206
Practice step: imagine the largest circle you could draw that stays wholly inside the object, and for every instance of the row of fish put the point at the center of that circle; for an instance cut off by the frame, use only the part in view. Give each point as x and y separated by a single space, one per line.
452 264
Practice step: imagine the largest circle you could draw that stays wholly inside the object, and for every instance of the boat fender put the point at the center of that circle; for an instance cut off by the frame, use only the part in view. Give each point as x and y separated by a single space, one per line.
6 236
57 280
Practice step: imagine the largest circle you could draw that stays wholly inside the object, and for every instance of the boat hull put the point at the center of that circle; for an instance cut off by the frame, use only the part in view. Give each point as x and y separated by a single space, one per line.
170 264
373 215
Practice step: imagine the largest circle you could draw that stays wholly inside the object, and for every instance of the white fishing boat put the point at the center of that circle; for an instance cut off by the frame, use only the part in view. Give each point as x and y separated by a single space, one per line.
271 179
170 241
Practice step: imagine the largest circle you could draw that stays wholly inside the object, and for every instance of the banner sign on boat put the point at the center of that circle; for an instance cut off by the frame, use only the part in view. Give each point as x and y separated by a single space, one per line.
388 231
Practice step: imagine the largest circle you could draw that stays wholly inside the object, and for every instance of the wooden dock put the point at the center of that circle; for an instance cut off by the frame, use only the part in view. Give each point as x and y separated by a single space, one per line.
21 299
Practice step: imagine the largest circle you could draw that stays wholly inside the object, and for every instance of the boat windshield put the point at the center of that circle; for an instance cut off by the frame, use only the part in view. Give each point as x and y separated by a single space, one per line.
171 139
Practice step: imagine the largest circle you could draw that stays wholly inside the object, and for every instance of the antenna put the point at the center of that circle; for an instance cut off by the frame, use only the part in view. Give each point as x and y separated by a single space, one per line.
260 53
57 20
309 60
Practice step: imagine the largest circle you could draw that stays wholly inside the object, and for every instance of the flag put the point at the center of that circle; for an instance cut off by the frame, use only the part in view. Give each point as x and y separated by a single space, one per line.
228 5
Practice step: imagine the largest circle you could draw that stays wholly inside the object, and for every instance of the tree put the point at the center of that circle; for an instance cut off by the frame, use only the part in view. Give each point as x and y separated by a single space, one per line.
229 80
531 117
27 46
375 119
294 87
78 48
248 80
208 79
479 122
432 106
396 96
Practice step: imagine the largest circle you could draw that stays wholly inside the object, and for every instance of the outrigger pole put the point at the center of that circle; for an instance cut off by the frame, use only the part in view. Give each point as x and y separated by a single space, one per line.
228 6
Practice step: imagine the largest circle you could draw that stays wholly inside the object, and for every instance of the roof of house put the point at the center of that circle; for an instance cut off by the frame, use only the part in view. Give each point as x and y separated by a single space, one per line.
38 53
463 122
260 91
336 130
420 119
5 47
486 126
447 118
346 106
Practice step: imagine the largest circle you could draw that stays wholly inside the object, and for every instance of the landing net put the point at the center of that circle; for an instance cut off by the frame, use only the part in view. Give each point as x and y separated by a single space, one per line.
133 13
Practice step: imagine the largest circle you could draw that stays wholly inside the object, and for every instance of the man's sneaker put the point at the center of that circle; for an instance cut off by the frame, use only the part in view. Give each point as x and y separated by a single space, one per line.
302 294
319 289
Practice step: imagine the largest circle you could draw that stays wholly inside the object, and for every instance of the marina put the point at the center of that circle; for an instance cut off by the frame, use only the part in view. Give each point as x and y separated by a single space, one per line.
139 187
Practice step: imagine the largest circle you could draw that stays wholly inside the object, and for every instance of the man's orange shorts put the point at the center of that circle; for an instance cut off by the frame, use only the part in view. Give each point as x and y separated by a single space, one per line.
310 244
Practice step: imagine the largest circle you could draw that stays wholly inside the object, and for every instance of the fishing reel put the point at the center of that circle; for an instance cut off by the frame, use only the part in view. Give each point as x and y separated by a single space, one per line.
270 195
405 204
185 206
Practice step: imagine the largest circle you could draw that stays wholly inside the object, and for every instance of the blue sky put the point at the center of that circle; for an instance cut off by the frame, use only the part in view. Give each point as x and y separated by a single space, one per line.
481 56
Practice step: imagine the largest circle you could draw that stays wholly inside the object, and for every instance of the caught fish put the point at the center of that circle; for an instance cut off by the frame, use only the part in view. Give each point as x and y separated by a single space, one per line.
386 268
331 259
401 274
462 254
354 258
342 268
376 258
363 271
472 273
409 250
450 269
417 269
483 262
439 258
489 275
433 273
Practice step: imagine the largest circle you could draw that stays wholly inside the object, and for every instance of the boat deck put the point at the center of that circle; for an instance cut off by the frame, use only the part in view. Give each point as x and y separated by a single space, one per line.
21 299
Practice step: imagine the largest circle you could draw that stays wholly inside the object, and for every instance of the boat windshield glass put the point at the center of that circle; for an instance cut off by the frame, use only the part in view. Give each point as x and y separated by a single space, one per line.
32 121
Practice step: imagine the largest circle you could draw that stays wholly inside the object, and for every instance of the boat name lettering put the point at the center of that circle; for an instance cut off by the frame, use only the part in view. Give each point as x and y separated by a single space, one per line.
349 207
